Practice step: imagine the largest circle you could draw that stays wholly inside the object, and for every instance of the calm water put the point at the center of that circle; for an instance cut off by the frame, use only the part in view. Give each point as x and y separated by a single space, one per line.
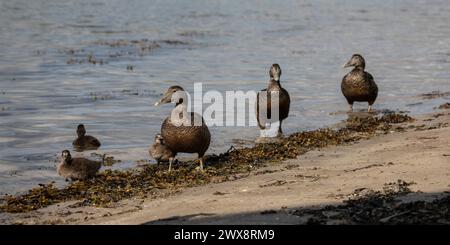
49 84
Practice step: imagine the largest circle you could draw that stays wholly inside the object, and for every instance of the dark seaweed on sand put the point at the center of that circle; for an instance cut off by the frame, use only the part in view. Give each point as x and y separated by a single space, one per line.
110 187
381 208
445 106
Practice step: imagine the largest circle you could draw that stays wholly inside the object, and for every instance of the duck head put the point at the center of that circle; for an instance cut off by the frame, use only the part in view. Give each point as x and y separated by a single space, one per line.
65 155
356 61
81 131
275 72
174 94
159 139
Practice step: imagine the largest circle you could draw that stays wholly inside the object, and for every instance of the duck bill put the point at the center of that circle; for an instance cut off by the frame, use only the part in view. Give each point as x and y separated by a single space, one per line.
348 64
167 98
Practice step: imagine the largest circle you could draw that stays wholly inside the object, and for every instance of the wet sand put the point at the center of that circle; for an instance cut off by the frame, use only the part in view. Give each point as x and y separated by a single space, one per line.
273 194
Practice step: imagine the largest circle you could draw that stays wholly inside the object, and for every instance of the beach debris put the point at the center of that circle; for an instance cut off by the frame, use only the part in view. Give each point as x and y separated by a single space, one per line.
219 193
311 178
111 186
381 207
274 183
369 166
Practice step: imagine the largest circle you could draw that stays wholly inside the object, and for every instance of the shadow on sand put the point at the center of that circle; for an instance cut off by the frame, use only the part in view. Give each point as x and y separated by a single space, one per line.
394 205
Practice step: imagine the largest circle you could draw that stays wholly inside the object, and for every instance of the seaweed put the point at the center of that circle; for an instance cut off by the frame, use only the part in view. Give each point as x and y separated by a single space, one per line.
111 186
435 95
380 207
445 106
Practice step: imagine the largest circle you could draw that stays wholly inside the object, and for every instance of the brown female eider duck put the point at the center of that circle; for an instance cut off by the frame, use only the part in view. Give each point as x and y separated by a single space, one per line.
160 151
77 168
183 131
273 89
85 142
358 85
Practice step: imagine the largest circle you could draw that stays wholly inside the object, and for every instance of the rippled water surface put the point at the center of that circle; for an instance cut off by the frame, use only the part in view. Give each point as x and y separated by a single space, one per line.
65 62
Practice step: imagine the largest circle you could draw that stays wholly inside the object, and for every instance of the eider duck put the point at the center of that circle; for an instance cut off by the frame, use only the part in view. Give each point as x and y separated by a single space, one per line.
358 85
183 131
160 151
284 101
77 168
85 142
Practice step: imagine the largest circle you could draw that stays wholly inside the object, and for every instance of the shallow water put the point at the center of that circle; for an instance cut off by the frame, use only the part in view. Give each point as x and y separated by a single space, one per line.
49 82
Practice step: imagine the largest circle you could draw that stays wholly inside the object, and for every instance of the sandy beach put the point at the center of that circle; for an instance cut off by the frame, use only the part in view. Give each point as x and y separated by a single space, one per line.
420 156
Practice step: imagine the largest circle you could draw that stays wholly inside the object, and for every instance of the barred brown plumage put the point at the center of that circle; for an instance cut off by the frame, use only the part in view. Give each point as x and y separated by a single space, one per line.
359 85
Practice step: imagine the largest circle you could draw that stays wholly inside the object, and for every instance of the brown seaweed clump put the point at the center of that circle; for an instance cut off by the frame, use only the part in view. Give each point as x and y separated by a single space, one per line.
103 51
108 187
381 207
151 181
445 106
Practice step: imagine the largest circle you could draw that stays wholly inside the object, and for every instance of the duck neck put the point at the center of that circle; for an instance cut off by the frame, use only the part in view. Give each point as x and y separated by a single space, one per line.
359 68
180 109
178 115
67 161
274 85
180 101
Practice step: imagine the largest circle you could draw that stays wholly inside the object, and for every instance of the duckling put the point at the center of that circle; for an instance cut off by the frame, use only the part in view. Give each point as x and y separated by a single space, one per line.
264 103
76 168
159 150
85 142
183 131
358 85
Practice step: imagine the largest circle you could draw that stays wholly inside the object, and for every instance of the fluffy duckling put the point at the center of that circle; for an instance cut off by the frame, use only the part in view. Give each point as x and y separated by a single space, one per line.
77 168
264 103
358 85
160 151
183 131
85 142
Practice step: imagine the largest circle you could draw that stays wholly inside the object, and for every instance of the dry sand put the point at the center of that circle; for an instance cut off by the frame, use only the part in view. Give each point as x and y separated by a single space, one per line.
268 195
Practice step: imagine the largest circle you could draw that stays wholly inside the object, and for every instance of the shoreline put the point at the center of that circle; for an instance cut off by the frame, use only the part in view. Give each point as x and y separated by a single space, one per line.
272 192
